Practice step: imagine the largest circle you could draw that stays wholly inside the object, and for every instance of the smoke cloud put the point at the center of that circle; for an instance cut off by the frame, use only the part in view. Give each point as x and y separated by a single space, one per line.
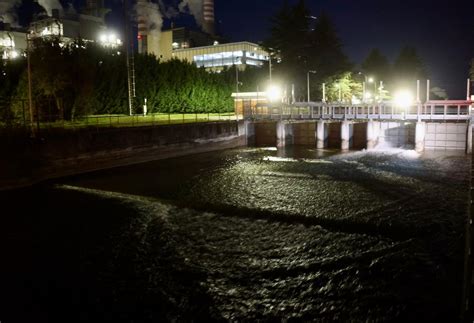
194 7
8 12
151 13
49 5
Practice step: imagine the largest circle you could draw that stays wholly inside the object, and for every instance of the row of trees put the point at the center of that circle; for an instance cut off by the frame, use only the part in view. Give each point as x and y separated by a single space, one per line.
83 78
300 42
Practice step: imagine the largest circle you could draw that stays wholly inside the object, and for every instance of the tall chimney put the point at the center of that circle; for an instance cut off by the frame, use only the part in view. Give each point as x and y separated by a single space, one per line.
208 21
142 24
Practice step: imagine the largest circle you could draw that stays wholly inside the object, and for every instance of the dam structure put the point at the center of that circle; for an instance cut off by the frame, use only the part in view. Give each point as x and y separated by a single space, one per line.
434 125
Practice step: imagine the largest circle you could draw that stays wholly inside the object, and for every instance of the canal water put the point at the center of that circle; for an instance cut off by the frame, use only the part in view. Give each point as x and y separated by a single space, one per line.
252 233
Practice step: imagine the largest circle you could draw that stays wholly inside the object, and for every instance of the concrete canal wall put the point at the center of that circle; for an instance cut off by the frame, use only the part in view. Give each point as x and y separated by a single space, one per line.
361 135
25 162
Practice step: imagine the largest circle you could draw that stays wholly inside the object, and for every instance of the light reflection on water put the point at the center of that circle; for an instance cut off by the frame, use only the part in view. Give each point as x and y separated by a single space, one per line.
306 233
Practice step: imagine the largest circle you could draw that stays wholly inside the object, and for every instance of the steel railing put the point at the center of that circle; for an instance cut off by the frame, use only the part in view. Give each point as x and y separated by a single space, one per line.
432 110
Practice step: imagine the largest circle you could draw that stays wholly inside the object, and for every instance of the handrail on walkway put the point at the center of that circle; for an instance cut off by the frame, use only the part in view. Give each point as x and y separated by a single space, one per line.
431 110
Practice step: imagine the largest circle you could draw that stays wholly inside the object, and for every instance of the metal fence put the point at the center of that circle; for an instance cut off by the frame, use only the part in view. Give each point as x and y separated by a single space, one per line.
432 110
20 121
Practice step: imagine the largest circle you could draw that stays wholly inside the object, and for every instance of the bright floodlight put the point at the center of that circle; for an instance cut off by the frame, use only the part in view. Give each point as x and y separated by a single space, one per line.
103 38
274 93
371 80
403 99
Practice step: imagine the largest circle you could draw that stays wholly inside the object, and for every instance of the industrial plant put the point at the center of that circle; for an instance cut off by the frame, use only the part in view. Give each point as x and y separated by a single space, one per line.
66 25
203 46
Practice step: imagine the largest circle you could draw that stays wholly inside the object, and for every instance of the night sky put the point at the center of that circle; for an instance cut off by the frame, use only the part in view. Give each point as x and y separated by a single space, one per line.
442 31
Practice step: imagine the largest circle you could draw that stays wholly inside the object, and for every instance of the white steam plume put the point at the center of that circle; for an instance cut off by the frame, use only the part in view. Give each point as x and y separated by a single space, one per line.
167 10
49 5
7 12
150 12
194 7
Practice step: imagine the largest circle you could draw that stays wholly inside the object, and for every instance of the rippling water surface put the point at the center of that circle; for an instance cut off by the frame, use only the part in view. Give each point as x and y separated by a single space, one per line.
265 234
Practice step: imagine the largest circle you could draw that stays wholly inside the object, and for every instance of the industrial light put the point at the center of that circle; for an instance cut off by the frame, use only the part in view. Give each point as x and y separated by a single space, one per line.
371 80
403 99
274 93
14 54
109 40
112 38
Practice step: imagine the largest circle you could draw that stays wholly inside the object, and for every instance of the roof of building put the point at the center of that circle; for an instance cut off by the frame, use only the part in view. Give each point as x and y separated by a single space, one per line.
243 43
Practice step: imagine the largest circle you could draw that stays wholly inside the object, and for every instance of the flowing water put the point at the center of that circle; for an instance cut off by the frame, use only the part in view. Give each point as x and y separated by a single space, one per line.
255 234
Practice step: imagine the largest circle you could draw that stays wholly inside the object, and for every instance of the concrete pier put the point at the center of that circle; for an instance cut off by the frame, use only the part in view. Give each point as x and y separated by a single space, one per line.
345 135
469 138
284 132
247 129
420 134
321 134
372 134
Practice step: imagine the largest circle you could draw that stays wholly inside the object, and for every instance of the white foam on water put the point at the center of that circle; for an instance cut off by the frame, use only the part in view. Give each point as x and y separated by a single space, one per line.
280 159
381 150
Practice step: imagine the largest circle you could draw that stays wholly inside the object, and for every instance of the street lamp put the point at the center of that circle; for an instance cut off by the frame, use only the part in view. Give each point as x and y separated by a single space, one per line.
30 98
364 87
274 93
339 87
309 91
403 99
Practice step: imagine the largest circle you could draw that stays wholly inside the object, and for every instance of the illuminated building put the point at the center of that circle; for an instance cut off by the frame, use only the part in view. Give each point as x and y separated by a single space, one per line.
206 51
12 42
219 56
69 27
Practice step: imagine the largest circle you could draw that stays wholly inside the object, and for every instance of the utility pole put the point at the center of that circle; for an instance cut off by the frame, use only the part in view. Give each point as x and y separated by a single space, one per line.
130 59
236 79
30 96
270 66
309 91
364 94
427 90
309 94
468 89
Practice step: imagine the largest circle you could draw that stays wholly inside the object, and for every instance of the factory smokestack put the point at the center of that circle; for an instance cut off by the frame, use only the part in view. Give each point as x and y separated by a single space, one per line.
208 16
149 22
142 24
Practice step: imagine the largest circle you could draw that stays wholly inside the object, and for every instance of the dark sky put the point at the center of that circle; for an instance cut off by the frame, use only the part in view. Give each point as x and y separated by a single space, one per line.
442 31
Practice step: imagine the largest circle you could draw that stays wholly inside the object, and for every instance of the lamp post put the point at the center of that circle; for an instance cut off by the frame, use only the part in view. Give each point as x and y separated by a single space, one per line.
30 98
270 66
367 79
371 80
130 59
339 87
236 79
307 78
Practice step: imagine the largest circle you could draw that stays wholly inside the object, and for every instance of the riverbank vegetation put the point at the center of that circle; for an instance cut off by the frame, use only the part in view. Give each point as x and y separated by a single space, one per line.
83 79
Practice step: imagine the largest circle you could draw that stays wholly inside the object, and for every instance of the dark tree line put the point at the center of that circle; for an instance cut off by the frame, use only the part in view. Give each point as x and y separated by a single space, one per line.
300 42
83 78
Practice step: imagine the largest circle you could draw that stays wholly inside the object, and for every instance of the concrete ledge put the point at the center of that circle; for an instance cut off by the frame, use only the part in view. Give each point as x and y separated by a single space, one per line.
55 158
